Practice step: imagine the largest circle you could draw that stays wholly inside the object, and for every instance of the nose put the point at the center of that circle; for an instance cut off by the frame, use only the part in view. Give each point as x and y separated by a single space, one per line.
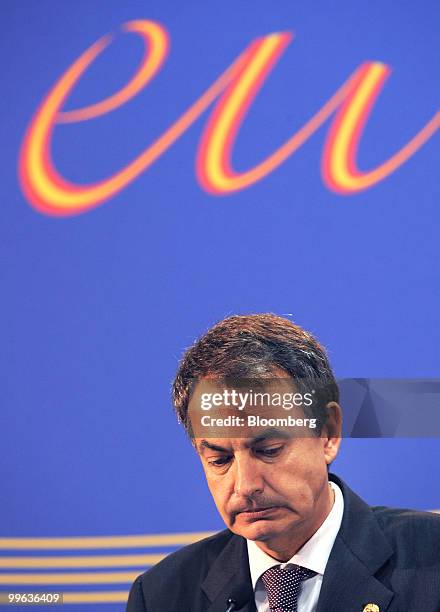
248 476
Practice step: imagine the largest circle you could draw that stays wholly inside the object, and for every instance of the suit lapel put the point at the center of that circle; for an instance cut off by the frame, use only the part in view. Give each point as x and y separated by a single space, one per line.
348 584
359 551
228 573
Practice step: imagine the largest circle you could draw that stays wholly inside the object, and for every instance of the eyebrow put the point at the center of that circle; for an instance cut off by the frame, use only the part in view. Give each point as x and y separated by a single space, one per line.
205 444
268 434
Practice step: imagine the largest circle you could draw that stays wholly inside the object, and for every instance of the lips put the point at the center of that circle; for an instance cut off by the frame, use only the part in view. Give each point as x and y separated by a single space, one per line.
257 513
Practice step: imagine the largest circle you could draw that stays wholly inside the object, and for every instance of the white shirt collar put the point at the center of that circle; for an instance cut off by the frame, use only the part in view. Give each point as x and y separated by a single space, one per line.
313 554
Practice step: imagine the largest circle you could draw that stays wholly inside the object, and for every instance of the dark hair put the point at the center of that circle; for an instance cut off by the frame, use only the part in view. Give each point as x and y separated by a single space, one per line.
254 347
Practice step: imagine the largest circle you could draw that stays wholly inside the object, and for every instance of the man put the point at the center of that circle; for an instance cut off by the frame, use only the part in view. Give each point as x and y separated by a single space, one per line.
297 538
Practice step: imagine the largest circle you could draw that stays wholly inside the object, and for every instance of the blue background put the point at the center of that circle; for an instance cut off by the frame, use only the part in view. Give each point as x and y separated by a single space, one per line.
97 309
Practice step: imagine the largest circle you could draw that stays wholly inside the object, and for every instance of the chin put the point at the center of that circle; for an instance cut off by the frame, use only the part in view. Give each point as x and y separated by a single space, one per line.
258 532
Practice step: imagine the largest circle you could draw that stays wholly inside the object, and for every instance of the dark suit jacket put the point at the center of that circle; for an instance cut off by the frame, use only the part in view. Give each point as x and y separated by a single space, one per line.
381 555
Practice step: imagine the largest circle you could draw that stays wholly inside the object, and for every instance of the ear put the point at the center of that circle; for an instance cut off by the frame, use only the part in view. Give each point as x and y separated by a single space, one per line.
332 432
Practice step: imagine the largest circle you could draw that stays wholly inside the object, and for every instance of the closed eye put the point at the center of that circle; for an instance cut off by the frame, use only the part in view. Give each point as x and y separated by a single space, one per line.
269 452
220 461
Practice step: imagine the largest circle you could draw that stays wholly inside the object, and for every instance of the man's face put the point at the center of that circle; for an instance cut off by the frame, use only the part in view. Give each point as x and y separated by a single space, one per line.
269 486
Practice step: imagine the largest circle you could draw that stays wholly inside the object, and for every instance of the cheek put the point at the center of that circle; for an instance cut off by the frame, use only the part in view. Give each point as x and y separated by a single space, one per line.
300 478
219 493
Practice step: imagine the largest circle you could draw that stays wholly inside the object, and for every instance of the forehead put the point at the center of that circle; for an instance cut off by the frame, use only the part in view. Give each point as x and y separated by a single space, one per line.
246 411
280 381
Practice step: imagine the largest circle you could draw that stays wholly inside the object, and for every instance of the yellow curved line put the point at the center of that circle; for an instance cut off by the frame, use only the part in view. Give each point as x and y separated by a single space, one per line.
156 41
76 542
342 175
213 167
60 195
81 561
71 578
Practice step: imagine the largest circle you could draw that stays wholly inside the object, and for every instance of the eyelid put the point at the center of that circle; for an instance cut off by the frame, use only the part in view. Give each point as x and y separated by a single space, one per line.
212 460
269 451
265 449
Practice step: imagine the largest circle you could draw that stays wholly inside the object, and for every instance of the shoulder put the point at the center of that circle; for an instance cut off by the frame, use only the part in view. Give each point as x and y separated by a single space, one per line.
411 536
411 533
190 563
173 584
403 521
